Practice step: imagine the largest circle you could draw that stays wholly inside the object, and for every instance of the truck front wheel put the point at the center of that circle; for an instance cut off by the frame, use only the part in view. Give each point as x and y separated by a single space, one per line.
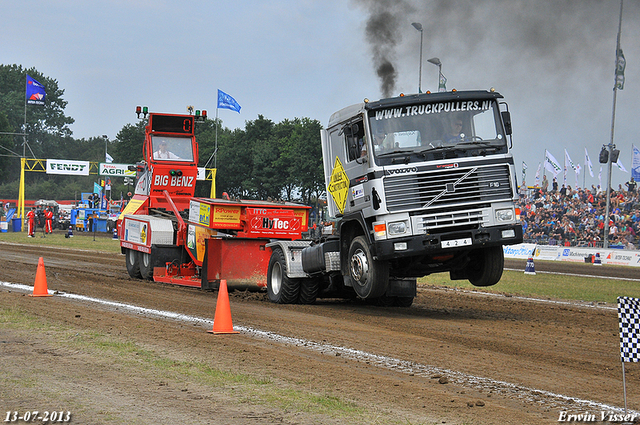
486 265
369 277
280 288
133 263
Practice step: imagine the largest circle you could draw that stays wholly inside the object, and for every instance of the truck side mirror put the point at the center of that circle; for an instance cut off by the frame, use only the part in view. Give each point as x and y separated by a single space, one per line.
506 119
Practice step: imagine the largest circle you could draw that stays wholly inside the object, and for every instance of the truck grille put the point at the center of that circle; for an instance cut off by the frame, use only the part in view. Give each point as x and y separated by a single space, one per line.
460 191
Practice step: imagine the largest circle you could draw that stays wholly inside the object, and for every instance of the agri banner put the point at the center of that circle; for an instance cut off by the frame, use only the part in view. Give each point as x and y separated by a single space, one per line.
115 170
64 166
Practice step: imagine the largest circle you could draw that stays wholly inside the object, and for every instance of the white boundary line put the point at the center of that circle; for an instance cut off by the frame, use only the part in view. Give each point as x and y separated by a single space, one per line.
531 395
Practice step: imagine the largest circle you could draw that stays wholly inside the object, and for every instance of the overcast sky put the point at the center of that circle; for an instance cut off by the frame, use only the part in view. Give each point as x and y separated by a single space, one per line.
553 60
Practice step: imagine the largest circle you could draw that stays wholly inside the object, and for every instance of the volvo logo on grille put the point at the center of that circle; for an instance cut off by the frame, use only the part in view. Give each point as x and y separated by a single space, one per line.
449 188
402 170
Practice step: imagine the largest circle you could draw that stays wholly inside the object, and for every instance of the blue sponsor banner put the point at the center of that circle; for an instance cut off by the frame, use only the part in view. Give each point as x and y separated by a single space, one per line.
635 164
35 92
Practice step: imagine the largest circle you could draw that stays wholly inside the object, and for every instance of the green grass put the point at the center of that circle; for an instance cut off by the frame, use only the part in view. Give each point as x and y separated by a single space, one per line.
80 240
547 285
122 352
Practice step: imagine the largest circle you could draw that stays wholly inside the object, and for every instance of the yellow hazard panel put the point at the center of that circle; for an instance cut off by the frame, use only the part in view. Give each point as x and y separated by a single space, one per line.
131 208
339 185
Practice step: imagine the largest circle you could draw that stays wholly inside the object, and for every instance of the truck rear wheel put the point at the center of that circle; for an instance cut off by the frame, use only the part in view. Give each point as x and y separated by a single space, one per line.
486 266
309 289
369 277
280 288
133 263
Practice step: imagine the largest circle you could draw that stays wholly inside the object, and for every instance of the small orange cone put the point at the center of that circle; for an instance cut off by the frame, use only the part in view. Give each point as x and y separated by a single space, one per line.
40 285
222 323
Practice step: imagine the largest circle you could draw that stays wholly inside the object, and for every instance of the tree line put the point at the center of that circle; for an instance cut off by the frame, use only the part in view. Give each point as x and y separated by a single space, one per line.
264 160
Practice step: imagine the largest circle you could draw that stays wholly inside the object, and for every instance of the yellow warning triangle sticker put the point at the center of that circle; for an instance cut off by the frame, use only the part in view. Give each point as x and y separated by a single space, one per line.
339 185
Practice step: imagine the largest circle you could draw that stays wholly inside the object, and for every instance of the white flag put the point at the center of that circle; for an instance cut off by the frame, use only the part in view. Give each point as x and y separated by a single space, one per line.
537 179
568 158
600 178
551 164
587 162
108 157
620 166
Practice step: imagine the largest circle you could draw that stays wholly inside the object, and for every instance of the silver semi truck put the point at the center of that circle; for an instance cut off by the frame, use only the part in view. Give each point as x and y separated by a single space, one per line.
418 184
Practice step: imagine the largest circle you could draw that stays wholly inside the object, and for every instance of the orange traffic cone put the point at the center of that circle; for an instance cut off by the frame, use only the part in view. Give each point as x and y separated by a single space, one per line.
222 323
40 285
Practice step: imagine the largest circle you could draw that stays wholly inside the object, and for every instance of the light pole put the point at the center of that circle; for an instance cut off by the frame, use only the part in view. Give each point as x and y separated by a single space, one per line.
418 26
611 151
106 153
437 62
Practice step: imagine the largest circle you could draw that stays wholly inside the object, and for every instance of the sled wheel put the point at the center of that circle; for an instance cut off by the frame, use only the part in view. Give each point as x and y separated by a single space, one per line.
133 263
146 265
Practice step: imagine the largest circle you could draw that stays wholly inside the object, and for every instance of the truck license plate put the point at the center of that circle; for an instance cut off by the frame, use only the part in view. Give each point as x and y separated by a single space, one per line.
456 242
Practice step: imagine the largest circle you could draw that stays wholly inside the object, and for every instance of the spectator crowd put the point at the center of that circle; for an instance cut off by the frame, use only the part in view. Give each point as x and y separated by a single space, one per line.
576 217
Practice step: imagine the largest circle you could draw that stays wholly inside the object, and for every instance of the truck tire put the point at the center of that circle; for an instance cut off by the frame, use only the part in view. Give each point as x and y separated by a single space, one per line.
309 289
486 266
368 277
133 263
280 288
146 265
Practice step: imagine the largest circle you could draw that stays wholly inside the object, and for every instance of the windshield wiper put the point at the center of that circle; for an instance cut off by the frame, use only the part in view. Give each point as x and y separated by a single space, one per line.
476 142
439 148
394 152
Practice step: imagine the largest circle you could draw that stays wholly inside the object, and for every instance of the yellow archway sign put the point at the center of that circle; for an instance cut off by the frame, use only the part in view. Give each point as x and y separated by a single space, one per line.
339 185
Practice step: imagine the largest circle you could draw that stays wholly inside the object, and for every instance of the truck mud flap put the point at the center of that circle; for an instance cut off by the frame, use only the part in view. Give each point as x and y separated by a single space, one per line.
402 288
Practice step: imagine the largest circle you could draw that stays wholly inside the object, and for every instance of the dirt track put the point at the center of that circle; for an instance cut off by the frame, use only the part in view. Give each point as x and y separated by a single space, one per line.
507 360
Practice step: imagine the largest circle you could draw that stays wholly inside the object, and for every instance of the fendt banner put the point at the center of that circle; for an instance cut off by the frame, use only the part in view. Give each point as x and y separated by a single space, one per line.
65 166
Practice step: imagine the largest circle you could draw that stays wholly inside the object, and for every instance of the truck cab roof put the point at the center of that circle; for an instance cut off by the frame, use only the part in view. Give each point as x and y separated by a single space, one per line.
350 111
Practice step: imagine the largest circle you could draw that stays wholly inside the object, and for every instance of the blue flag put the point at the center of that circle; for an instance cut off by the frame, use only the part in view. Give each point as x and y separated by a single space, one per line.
227 102
35 92
635 163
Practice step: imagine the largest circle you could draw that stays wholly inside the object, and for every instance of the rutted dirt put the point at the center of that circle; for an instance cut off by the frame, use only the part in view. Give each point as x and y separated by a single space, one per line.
420 365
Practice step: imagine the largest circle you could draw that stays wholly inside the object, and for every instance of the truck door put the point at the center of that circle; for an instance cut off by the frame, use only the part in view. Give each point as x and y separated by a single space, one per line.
345 157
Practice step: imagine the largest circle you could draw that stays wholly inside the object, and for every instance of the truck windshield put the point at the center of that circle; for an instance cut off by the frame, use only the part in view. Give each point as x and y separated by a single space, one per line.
460 126
172 148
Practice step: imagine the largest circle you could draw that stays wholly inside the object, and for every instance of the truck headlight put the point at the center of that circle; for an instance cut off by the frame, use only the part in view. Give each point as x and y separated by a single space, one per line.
397 228
505 215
